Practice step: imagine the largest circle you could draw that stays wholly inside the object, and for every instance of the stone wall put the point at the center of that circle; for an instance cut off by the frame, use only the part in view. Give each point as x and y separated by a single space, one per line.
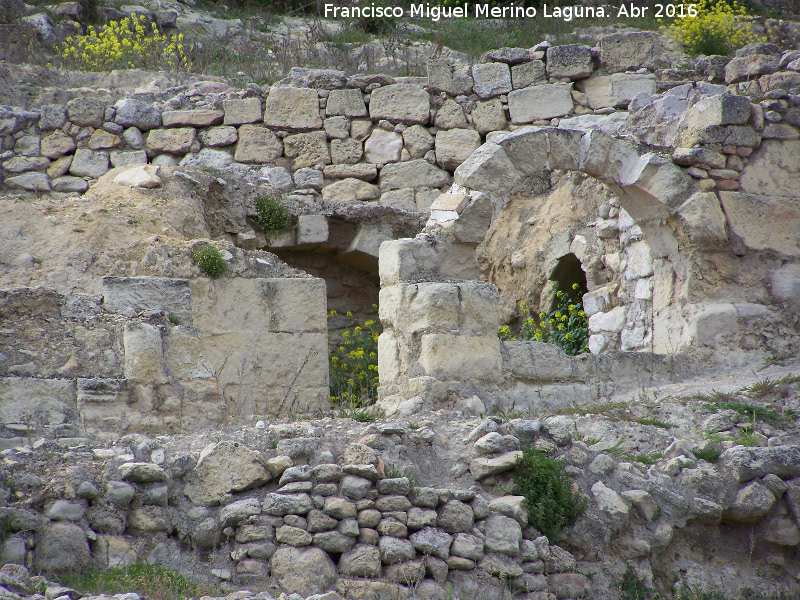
158 354
315 507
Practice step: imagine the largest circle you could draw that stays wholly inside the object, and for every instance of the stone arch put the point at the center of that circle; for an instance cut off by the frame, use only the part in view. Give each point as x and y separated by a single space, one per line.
650 188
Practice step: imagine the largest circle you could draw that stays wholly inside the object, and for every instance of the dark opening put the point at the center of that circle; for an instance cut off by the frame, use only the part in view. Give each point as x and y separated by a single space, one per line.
566 273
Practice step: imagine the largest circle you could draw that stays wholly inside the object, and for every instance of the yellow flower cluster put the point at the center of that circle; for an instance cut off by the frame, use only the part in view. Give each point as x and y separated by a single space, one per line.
567 326
354 365
125 44
718 28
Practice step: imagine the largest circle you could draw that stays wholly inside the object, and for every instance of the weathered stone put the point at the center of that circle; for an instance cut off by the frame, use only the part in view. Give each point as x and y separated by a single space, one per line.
57 144
135 113
773 169
400 103
86 112
394 550
334 542
88 163
450 116
432 541
751 503
750 463
53 116
32 182
489 116
346 103
224 135
454 146
140 472
292 536
704 220
418 141
569 585
383 147
143 176
503 535
304 571
443 76
625 51
350 190
491 79
501 565
573 61
307 149
295 109
172 141
455 517
226 467
62 548
414 173
753 219
361 561
484 467
528 73
616 90
540 102
241 112
743 68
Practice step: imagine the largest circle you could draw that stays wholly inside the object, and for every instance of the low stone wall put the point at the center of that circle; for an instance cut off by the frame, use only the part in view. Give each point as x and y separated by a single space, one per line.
304 509
157 354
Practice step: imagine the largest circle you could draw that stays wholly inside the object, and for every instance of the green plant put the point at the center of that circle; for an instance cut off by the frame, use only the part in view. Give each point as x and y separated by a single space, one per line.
654 422
707 454
719 27
762 387
549 498
413 426
649 459
271 215
395 473
354 364
209 260
174 319
567 326
632 588
151 581
361 415
124 44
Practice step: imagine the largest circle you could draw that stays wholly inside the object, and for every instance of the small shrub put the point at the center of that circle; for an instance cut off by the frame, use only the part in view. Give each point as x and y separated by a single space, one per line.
125 44
354 365
720 27
209 260
707 454
174 319
649 459
567 326
271 215
552 505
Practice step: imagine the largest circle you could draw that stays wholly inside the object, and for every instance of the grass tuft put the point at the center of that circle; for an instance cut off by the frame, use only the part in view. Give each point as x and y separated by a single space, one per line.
150 581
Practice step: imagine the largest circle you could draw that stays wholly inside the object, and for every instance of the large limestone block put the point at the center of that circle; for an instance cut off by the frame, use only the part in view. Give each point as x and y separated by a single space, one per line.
62 548
415 308
135 113
171 141
86 112
173 296
389 364
88 163
350 190
346 103
32 182
418 141
744 68
489 170
224 468
526 148
450 116
57 144
144 357
653 185
412 174
489 116
295 109
764 222
503 535
454 146
224 135
257 145
443 76
400 103
625 51
491 79
307 149
540 102
184 354
704 220
616 90
750 463
55 398
383 147
536 361
266 340
604 157
304 571
412 261
478 307
476 357
773 169
241 112
363 250
191 118
572 60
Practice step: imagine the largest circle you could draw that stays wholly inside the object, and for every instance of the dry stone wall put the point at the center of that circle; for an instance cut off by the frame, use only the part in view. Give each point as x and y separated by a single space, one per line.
315 507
